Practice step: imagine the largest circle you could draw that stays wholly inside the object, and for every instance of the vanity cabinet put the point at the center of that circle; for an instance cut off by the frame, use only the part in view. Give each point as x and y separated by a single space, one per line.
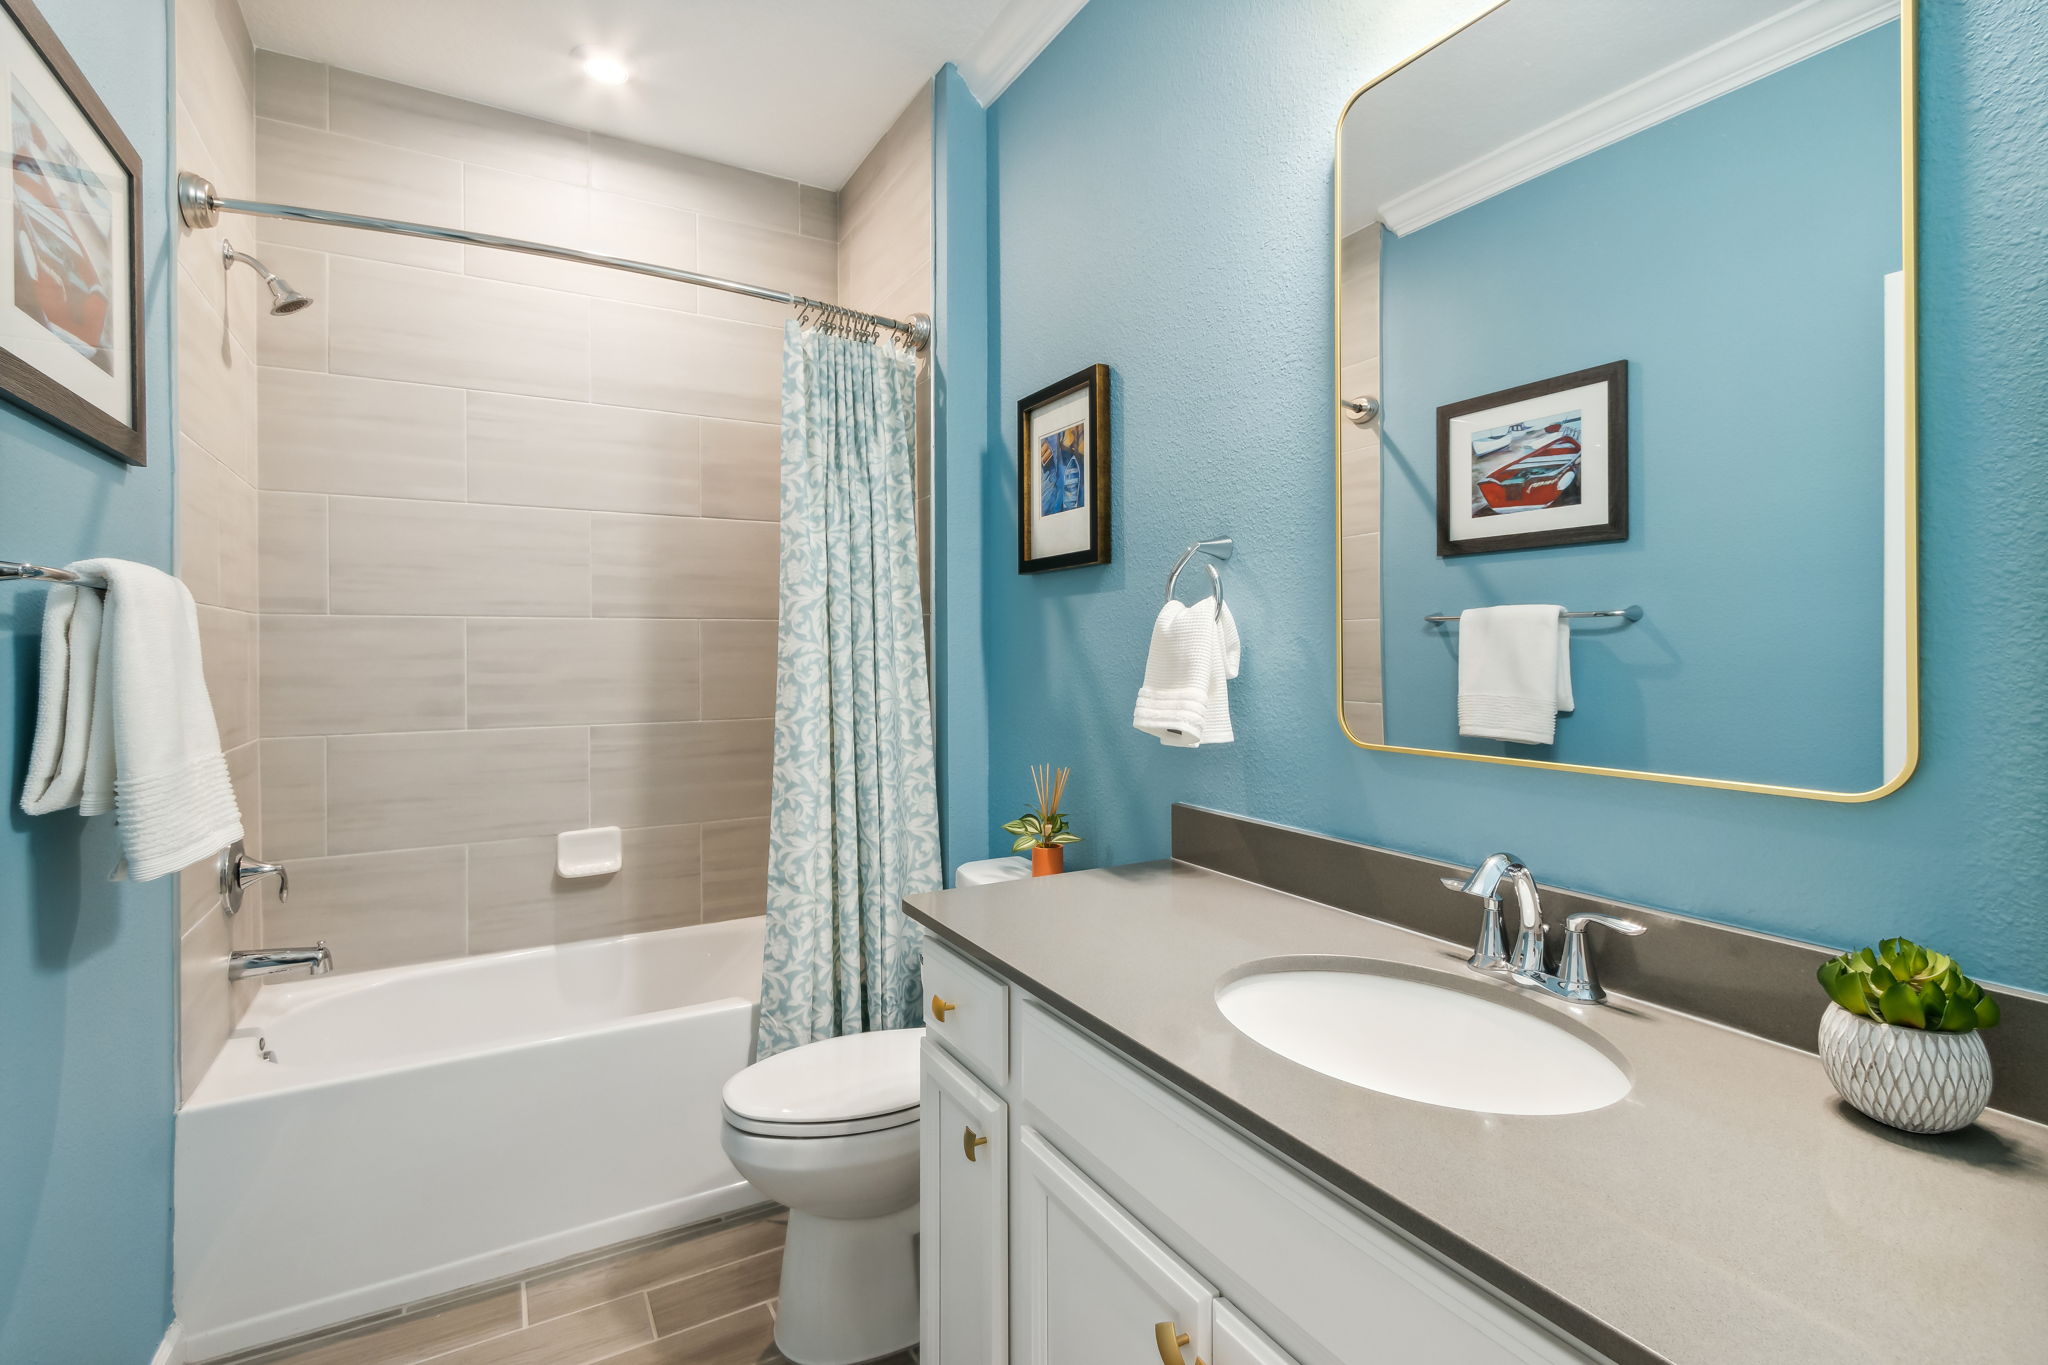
1105 1203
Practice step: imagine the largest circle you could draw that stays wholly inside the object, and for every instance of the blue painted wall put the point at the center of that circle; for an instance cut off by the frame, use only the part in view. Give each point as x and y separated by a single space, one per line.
1161 182
1734 256
87 967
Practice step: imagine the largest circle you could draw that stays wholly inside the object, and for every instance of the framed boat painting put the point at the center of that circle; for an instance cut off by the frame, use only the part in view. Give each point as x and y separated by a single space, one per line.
71 284
1536 466
1063 473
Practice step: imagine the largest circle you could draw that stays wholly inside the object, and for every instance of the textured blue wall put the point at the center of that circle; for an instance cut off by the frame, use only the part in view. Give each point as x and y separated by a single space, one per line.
1162 183
86 966
1735 257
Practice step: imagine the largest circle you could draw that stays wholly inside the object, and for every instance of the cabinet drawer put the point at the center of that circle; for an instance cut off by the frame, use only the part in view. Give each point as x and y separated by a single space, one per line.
1326 1279
968 1011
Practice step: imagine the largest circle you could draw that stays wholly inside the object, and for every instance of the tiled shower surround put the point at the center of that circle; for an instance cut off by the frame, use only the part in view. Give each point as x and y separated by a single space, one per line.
518 551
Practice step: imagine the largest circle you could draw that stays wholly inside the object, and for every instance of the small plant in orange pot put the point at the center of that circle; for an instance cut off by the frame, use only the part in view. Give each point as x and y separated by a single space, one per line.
1043 829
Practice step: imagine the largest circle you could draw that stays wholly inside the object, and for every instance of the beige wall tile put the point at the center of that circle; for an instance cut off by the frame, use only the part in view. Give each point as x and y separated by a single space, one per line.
1362 667
290 89
1366 720
739 670
1361 579
326 433
593 1334
680 774
683 566
783 260
298 340
685 182
205 1013
633 1272
516 899
684 1304
201 522
198 892
885 219
216 388
818 212
570 672
543 452
1361 467
639 230
712 367
507 204
735 869
456 787
239 558
742 470
294 798
227 646
396 558
213 77
340 675
395 322
403 116
300 165
292 551
376 909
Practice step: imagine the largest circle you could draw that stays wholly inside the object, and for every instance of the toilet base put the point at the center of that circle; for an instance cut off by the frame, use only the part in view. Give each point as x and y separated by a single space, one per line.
849 1288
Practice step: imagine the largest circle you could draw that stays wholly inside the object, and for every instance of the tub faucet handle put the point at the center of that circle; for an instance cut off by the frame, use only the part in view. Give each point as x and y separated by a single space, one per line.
237 870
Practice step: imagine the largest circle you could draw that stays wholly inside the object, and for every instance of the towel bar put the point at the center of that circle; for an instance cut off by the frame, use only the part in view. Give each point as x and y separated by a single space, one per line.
36 573
1625 613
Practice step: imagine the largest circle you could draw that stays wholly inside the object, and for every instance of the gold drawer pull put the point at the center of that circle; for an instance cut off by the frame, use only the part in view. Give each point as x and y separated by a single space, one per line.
968 1142
1171 1339
942 1007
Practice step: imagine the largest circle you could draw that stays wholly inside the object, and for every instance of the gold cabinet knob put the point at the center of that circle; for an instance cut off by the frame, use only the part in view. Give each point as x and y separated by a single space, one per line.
1171 1339
941 1007
969 1141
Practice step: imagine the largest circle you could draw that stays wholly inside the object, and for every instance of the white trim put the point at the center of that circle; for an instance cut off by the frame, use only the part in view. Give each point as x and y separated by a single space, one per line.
1735 61
1011 41
171 1351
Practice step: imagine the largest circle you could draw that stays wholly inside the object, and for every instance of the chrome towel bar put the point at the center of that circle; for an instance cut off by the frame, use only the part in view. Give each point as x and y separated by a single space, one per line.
1625 613
36 573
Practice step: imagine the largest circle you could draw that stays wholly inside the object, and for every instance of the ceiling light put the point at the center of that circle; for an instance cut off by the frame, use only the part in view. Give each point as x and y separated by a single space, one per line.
602 67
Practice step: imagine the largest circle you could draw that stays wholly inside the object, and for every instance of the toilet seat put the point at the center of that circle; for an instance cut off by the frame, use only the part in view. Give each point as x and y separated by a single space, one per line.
835 1087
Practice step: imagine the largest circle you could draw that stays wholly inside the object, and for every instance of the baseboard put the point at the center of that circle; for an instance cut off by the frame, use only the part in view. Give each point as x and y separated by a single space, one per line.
171 1350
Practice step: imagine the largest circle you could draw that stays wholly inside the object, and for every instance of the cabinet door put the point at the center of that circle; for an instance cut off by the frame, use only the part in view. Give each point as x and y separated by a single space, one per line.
1089 1286
964 1234
1240 1343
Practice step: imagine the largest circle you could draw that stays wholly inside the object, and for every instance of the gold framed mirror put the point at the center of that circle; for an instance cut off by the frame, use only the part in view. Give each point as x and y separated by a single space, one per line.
1625 352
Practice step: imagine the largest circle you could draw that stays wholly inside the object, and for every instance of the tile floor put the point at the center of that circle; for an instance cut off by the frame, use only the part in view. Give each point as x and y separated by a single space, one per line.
705 1296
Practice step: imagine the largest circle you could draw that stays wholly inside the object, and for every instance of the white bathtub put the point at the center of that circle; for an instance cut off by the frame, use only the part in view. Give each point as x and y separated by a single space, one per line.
426 1128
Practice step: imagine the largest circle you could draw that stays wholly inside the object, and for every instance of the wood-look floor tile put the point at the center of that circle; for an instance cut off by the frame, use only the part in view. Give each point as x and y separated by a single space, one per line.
417 1336
597 1333
743 1338
634 1271
683 1304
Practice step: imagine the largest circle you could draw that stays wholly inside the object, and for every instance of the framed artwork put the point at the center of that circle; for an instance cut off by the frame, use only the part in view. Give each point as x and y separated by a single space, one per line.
1533 467
1063 473
71 280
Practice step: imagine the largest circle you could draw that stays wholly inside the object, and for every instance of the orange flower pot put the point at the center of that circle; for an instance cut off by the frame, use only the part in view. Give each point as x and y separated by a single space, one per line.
1046 861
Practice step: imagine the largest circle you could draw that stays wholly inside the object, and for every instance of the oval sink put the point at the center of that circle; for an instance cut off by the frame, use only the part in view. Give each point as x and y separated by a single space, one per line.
1375 1025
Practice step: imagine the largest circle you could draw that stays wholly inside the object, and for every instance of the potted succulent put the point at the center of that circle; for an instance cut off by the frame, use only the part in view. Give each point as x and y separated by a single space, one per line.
1043 829
1899 1039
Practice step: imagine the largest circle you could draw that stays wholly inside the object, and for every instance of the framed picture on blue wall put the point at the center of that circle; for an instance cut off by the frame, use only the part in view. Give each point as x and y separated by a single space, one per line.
71 279
1063 473
1536 466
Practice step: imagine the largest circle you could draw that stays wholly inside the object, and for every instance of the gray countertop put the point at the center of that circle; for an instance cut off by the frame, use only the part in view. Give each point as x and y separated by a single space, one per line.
1729 1209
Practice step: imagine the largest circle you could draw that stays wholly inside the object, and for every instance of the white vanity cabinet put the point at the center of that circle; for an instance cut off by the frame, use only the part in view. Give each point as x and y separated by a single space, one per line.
1104 1204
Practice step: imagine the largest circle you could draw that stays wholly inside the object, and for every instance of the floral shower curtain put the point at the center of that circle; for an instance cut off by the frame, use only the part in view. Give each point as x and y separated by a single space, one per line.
854 824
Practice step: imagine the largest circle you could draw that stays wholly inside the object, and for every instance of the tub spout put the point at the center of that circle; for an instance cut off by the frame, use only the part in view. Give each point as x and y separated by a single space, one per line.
265 961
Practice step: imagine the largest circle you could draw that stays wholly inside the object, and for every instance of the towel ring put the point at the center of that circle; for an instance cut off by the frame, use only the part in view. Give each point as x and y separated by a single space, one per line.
1218 548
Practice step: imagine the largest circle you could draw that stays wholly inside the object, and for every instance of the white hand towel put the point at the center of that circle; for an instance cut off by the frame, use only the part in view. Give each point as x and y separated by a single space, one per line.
1514 672
124 721
1174 697
1215 727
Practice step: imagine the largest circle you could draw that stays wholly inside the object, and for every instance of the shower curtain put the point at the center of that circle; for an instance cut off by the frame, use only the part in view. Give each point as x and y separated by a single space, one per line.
854 823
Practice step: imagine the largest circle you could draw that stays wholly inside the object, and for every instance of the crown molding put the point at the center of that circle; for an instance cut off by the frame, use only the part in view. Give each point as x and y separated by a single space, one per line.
1009 44
1735 61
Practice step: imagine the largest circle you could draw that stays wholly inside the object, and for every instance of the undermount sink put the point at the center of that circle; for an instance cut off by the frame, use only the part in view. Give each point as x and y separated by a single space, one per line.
1389 1028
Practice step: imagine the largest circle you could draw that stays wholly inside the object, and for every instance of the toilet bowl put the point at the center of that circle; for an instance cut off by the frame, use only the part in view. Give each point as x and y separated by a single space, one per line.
830 1130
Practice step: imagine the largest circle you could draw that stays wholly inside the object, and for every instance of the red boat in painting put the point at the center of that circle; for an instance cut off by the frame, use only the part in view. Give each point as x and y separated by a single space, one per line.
1547 474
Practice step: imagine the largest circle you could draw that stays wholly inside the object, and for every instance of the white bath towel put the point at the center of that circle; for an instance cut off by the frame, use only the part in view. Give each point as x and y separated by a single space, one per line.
1514 672
1184 699
124 723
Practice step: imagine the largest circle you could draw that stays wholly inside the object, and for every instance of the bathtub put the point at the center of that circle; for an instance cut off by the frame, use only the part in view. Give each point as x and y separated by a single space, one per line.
374 1139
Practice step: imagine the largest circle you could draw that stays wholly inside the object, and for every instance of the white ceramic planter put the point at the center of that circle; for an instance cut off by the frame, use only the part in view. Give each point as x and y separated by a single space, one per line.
1910 1078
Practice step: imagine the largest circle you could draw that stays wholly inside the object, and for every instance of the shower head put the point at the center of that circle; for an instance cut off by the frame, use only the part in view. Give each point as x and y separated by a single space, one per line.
283 298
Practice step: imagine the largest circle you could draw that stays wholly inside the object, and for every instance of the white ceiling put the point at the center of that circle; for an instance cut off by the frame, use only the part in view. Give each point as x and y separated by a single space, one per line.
796 88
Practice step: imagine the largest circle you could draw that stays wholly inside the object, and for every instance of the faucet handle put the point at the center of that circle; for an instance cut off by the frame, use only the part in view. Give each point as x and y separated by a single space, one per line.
1576 980
237 870
1576 922
1489 954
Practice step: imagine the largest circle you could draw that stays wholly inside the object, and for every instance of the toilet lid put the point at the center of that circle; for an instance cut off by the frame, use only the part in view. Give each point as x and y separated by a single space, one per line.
831 1081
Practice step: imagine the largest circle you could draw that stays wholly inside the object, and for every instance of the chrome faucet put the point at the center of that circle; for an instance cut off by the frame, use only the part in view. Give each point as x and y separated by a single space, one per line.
1526 961
266 961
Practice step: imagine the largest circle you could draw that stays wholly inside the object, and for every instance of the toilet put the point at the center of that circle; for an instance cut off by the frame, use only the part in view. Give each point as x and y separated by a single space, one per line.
830 1131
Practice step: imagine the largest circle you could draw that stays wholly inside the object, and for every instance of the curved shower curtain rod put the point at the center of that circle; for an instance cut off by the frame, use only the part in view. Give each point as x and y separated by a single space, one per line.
201 207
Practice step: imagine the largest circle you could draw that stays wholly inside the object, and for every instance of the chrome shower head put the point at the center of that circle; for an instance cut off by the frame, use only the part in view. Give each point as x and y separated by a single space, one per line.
283 298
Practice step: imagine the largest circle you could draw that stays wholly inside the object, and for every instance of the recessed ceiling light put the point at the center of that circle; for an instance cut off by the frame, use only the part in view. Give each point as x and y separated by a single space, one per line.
602 67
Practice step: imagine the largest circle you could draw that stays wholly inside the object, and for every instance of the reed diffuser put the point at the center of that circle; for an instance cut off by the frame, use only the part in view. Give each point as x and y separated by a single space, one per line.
1043 829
